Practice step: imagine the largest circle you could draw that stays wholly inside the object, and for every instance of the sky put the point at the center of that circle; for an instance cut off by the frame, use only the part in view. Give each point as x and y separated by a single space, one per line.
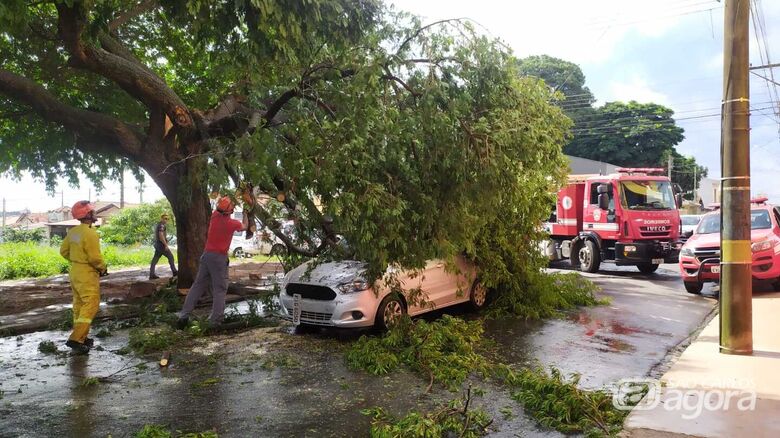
663 51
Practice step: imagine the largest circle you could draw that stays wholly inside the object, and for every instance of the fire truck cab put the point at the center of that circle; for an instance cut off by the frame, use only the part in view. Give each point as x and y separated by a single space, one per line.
630 217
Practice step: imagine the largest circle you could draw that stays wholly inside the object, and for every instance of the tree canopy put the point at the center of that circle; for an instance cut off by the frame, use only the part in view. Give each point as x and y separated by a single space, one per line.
411 141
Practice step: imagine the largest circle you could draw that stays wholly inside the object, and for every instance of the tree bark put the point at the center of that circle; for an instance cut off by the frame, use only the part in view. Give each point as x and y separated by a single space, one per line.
183 185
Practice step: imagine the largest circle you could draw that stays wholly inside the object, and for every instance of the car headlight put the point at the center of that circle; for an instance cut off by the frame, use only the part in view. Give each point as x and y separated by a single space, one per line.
687 252
761 246
356 285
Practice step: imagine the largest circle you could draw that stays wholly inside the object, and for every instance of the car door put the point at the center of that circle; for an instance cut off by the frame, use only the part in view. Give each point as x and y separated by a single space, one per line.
447 285
596 219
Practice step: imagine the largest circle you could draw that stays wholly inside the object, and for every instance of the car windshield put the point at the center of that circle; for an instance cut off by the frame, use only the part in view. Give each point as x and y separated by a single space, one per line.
690 220
759 220
647 195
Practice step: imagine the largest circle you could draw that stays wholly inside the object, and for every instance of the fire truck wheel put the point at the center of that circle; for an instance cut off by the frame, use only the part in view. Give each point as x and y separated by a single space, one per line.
693 288
589 257
647 268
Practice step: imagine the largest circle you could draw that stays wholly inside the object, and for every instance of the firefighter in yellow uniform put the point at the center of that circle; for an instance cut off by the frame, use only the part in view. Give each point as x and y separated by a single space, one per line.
81 248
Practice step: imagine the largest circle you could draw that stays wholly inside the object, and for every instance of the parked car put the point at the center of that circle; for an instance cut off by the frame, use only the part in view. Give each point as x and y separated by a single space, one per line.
264 242
700 256
335 294
689 224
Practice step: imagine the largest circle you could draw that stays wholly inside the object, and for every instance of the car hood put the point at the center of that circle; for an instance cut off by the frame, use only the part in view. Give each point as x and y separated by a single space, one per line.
326 274
713 239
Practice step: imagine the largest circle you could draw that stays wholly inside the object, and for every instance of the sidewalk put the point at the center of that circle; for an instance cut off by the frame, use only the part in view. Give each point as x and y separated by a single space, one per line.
697 388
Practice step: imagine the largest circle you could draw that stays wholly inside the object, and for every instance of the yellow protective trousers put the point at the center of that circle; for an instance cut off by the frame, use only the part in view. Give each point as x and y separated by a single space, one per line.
82 248
85 283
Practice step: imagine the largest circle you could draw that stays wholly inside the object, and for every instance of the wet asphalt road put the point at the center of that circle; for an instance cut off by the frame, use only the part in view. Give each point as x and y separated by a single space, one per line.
274 382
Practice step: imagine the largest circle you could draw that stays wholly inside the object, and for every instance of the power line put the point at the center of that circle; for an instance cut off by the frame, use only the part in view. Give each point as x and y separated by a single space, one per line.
631 121
759 29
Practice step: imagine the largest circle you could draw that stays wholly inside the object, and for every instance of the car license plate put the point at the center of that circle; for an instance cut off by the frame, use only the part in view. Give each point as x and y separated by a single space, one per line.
715 269
658 261
296 314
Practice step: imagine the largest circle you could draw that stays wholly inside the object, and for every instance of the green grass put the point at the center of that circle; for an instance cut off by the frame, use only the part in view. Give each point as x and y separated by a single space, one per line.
31 260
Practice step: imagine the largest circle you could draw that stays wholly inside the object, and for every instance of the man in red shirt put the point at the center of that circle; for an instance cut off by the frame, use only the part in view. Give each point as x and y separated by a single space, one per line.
213 269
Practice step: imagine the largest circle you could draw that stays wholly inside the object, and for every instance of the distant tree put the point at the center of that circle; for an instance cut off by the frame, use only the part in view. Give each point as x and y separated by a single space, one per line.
561 75
134 225
627 134
683 172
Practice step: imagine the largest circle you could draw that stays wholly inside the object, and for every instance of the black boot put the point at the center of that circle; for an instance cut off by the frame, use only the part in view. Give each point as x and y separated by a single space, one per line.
77 347
182 323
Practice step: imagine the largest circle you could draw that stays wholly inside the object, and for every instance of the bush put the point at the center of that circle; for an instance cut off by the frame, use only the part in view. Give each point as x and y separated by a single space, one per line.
19 235
27 259
137 224
22 260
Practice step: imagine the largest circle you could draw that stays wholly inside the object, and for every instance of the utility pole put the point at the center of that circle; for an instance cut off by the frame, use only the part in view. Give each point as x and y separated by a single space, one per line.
122 188
3 212
669 164
736 291
695 183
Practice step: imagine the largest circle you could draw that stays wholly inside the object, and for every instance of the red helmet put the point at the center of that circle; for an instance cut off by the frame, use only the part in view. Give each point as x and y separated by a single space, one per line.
225 205
81 209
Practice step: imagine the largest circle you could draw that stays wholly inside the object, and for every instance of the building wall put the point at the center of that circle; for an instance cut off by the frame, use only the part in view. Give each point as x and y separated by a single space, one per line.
709 191
579 166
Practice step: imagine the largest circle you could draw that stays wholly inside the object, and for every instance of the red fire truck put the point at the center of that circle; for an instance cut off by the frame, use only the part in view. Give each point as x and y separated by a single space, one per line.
630 217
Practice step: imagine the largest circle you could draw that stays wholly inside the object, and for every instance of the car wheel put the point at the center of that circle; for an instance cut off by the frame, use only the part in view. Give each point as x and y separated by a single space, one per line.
390 310
693 288
238 252
278 250
647 268
478 295
589 257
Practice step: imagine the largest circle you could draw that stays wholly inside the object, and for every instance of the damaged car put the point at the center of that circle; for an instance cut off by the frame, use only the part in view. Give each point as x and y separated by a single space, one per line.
337 294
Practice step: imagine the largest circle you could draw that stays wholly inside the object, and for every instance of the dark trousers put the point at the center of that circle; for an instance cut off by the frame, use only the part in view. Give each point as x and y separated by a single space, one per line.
160 251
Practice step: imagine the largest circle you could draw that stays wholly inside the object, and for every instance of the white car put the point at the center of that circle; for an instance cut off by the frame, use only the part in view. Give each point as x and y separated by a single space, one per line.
265 243
335 294
689 223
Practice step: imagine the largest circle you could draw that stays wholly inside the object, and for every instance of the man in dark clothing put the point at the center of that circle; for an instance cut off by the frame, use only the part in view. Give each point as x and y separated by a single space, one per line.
161 248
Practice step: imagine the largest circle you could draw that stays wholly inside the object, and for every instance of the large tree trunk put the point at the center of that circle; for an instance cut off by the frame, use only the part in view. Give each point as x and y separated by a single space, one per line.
184 186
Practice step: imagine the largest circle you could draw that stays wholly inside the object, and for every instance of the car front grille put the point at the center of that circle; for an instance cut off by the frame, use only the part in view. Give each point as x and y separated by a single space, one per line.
712 254
311 291
315 318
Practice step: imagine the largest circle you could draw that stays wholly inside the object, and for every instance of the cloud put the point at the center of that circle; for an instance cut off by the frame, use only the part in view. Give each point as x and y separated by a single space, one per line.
636 89
584 32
